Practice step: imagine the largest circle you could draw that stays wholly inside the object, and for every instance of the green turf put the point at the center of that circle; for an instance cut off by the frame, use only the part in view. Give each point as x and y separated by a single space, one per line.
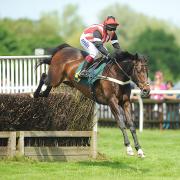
162 149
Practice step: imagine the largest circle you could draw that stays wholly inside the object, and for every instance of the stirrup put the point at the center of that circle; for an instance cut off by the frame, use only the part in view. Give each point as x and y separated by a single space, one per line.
83 73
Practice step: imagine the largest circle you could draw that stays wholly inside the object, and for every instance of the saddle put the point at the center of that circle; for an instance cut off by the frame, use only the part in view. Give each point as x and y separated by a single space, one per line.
93 71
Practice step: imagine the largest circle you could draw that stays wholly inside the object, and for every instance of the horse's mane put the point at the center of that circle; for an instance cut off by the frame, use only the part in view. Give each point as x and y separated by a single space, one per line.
61 46
123 55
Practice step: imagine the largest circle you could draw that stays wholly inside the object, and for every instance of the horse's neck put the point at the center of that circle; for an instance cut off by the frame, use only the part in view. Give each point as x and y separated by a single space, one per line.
122 71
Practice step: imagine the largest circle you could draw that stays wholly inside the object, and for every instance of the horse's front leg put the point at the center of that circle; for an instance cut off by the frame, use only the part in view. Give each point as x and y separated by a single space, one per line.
115 109
128 113
43 80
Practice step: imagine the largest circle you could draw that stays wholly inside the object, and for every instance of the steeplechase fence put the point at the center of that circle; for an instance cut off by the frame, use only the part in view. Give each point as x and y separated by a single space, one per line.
47 128
17 75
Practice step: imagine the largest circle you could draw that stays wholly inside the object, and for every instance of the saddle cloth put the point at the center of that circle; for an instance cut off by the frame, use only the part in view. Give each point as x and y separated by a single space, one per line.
95 69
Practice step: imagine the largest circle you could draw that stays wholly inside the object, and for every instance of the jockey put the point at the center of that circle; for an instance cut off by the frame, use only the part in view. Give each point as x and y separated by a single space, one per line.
94 37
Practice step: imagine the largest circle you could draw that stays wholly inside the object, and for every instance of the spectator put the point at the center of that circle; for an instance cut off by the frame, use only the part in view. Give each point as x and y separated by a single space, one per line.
158 85
169 86
172 109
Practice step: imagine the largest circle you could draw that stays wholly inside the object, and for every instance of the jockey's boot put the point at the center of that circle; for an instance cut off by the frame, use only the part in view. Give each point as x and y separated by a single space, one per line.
84 72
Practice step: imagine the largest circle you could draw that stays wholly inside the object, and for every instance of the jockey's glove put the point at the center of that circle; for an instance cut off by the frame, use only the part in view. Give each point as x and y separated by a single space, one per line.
110 57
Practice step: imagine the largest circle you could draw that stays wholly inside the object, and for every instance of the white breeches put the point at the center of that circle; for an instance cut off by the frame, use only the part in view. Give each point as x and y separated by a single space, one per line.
90 47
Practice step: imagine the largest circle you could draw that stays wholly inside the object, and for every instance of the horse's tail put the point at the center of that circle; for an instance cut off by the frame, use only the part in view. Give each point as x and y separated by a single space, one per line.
43 61
52 52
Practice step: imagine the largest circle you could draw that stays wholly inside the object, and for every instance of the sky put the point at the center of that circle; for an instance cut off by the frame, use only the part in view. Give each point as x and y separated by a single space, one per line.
161 9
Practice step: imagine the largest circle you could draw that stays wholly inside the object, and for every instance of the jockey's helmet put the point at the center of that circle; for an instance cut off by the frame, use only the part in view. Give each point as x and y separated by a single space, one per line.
110 23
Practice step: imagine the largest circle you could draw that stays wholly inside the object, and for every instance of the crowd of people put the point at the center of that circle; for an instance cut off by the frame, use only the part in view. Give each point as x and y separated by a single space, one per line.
171 112
167 108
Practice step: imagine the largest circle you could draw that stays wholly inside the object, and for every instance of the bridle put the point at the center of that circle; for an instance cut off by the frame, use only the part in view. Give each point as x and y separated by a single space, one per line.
134 71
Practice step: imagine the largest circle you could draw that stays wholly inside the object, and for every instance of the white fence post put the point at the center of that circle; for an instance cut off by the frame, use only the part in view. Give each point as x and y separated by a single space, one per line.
141 114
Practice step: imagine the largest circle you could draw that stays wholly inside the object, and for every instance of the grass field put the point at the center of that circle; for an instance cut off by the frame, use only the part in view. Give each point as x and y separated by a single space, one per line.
162 149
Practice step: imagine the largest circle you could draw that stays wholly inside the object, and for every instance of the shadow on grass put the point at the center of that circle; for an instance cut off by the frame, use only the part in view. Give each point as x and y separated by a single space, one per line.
103 161
114 165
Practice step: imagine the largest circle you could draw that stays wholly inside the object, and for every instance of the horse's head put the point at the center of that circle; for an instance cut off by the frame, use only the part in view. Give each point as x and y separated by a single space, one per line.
140 74
135 68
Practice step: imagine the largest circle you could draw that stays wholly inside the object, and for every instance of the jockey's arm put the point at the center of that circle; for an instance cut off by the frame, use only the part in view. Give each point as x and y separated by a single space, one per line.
98 43
115 43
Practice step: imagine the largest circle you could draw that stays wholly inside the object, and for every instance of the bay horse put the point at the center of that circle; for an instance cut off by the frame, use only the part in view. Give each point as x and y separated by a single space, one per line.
125 67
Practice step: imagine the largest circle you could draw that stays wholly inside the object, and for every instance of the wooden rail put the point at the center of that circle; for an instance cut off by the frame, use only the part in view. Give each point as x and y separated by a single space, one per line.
65 153
156 114
13 143
8 147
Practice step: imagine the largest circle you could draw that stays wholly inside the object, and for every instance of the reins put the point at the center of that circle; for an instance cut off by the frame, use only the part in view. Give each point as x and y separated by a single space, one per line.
122 68
115 80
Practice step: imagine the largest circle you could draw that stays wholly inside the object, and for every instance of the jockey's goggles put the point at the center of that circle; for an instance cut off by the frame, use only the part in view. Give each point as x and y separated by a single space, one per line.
111 28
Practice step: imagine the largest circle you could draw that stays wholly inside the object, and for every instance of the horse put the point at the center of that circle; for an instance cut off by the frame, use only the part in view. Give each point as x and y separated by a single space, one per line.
114 92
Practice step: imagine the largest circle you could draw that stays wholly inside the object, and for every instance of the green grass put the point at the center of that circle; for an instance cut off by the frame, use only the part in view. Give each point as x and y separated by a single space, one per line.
162 149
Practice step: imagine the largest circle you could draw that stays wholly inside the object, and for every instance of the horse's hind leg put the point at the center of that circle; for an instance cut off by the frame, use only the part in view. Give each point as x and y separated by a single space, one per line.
127 110
41 83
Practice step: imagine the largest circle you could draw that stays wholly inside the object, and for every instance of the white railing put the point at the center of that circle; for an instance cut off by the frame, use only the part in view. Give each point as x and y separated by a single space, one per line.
18 74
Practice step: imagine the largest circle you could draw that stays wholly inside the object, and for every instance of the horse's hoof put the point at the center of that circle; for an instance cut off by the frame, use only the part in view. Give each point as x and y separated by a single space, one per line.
141 153
31 95
130 151
35 95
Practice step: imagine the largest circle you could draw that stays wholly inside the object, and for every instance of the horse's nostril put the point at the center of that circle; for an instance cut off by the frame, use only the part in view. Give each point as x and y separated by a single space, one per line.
145 93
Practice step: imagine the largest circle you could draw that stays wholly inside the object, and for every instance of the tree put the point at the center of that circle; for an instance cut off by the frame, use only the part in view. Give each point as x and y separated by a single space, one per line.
7 42
162 50
71 25
132 23
23 36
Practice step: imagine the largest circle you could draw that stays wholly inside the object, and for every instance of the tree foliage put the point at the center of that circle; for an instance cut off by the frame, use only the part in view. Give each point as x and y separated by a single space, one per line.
7 41
71 25
162 51
23 36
